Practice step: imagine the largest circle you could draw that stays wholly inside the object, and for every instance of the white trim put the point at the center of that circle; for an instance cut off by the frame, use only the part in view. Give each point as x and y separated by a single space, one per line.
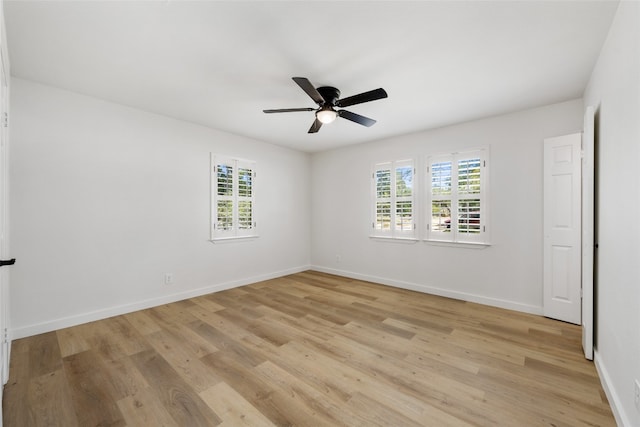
614 400
469 245
390 239
78 319
427 289
219 240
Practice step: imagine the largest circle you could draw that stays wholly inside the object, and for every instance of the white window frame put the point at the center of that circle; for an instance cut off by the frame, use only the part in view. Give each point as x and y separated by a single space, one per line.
237 229
398 229
455 232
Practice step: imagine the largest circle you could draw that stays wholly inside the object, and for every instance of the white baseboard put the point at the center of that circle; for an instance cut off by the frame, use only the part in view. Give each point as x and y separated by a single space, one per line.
494 302
619 413
65 322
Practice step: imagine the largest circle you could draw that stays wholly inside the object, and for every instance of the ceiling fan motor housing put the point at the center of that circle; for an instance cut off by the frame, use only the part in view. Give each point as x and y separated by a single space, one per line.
330 95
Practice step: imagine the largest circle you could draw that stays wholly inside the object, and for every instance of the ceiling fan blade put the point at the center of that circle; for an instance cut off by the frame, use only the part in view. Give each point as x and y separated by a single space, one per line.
315 127
362 120
372 95
288 110
306 86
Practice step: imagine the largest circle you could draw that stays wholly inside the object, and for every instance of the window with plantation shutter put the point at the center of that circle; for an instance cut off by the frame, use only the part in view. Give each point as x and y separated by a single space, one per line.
457 197
394 199
233 198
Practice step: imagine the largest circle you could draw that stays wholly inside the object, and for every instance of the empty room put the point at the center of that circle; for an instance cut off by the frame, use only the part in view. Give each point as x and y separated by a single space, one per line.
320 213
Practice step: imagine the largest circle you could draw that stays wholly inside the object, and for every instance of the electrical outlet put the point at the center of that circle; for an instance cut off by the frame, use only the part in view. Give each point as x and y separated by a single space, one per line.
168 278
636 394
337 259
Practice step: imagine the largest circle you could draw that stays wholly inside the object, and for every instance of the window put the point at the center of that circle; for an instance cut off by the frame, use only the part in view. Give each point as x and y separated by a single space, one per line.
457 197
233 198
394 206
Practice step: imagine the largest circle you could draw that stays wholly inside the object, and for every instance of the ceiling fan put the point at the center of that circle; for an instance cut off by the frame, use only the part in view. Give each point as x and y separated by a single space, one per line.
327 98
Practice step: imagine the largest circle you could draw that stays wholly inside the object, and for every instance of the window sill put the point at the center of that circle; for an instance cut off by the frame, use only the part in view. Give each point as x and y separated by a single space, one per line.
405 240
218 240
468 245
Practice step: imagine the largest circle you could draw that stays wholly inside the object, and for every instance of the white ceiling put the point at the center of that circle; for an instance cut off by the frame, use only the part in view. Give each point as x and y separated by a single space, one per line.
220 63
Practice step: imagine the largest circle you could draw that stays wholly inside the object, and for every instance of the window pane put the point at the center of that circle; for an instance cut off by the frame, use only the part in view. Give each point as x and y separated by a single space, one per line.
383 183
383 216
404 181
441 178
245 182
225 180
225 214
441 215
404 216
469 216
469 176
245 215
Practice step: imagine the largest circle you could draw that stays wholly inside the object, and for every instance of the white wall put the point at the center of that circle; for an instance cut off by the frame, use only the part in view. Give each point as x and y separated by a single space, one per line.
105 199
506 274
614 89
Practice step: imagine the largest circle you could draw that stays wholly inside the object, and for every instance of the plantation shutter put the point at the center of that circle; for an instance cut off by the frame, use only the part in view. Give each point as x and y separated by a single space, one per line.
457 197
246 199
233 198
383 200
470 216
394 205
404 204
441 198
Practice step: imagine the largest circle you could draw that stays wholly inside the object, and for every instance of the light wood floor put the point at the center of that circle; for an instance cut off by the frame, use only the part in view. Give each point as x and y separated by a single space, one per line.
308 349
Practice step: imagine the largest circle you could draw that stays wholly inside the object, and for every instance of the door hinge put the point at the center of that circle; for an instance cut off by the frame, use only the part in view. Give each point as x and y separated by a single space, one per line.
5 119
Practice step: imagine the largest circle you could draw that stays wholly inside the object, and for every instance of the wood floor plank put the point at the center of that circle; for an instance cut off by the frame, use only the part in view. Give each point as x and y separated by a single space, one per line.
51 400
44 354
15 405
71 342
256 391
143 322
177 397
91 390
308 349
234 409
241 353
186 363
124 378
145 409
315 408
377 413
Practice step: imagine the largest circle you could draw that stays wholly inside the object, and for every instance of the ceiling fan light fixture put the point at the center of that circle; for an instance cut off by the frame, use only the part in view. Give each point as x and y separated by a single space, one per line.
326 115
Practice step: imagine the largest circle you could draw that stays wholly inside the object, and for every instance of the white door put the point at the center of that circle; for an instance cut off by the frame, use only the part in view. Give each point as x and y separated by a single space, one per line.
4 276
588 171
562 231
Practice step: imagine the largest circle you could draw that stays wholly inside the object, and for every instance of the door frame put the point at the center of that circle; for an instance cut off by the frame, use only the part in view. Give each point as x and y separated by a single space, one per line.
588 230
5 339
